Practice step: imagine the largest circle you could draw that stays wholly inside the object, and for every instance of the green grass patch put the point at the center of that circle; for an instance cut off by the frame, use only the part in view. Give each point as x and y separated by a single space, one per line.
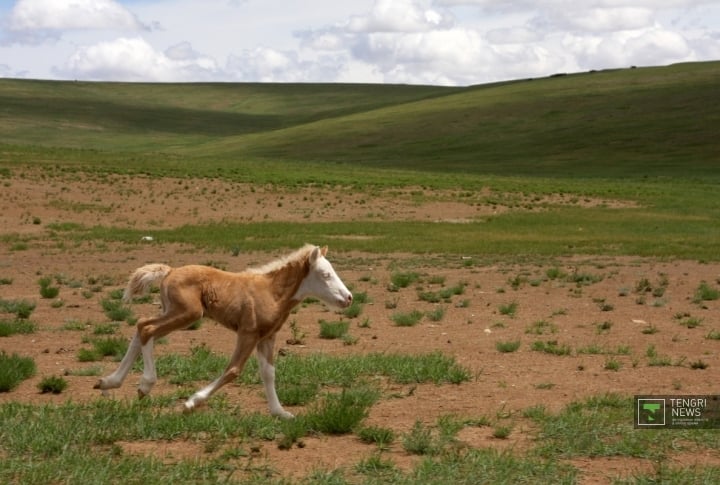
17 326
507 347
14 369
21 308
603 426
52 384
333 330
403 279
115 310
551 347
407 319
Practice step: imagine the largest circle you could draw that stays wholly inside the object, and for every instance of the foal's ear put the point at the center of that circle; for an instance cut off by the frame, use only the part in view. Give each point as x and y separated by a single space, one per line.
323 250
314 255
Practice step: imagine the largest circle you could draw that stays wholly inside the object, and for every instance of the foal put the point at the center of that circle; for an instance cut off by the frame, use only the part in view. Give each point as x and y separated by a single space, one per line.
254 303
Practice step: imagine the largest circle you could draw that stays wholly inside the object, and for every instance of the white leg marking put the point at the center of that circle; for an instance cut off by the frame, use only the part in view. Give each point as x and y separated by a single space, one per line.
149 377
115 380
202 395
267 374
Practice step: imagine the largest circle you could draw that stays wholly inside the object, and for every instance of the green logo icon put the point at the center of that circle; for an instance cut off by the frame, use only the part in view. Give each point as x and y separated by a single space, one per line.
650 412
651 407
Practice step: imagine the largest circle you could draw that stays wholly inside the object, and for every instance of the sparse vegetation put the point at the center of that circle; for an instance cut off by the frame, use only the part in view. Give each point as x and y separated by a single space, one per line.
536 229
12 327
14 369
705 292
52 384
407 319
541 327
551 347
21 308
402 279
116 311
47 290
509 309
507 347
333 330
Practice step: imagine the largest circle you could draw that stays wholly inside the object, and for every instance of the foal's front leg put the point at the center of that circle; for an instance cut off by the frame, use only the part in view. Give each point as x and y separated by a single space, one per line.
265 353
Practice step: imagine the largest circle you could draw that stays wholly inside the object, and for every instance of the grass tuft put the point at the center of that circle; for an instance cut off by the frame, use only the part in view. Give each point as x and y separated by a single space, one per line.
14 369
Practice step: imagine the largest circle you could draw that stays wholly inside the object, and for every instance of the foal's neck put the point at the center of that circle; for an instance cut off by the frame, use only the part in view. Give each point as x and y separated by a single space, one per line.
287 279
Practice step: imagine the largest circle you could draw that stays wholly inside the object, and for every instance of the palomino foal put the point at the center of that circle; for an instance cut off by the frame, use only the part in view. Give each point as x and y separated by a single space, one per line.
254 303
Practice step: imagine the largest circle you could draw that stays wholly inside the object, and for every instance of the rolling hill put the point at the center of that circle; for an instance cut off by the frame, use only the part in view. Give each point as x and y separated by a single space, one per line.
660 121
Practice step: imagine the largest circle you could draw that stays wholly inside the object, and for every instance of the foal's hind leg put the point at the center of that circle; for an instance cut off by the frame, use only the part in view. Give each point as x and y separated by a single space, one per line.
159 327
115 380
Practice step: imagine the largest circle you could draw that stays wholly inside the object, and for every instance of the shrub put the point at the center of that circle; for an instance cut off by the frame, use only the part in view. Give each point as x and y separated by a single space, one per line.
46 290
377 435
12 327
110 347
705 292
333 330
436 315
88 355
14 369
116 311
403 280
541 327
501 432
353 310
21 308
507 347
297 394
407 319
419 440
551 347
510 309
53 384
340 413
555 273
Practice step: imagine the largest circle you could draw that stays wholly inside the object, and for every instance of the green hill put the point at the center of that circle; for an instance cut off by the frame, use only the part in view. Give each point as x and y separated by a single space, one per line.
633 122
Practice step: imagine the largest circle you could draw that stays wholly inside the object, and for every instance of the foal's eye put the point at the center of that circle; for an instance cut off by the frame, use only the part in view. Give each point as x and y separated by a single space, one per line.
326 275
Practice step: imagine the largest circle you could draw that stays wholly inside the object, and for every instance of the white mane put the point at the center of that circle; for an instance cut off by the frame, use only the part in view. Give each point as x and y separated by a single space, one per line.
298 255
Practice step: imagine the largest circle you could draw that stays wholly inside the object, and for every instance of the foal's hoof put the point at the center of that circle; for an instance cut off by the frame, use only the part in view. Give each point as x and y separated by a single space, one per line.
98 385
141 393
283 415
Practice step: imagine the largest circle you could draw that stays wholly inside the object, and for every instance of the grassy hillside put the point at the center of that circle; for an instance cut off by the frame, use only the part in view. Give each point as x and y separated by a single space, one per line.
630 122
647 136
633 122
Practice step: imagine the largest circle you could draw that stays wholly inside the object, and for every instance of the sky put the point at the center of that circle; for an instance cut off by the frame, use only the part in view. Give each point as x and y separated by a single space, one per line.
437 42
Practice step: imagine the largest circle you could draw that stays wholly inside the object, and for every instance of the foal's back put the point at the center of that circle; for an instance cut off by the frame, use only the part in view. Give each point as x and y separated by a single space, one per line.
224 296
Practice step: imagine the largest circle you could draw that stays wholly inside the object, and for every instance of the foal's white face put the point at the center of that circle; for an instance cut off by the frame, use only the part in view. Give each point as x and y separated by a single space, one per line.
322 282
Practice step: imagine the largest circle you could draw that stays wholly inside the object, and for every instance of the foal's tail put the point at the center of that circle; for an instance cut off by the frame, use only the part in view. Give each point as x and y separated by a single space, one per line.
143 278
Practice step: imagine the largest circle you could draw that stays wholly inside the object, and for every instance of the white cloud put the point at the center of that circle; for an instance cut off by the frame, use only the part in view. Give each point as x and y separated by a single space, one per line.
133 59
399 16
592 20
269 65
60 15
411 41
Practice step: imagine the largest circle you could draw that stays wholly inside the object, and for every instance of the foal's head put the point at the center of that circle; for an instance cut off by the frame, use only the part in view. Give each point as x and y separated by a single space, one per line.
322 281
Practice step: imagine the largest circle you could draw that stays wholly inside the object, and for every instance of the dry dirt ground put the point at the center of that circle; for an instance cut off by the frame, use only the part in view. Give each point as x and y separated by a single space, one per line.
608 314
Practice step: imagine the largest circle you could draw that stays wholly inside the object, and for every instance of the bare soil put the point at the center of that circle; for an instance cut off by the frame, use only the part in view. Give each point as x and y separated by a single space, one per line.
608 314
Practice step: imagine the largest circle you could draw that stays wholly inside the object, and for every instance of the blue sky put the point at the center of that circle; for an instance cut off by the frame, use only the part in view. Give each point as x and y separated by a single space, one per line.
445 42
